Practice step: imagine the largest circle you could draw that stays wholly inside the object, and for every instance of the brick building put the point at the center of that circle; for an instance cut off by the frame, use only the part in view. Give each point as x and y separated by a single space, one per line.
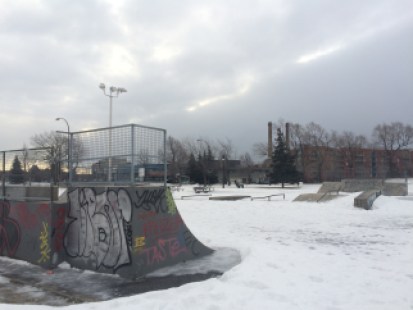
319 164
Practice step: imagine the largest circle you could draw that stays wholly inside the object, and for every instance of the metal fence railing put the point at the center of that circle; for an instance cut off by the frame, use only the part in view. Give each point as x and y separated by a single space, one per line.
27 167
122 154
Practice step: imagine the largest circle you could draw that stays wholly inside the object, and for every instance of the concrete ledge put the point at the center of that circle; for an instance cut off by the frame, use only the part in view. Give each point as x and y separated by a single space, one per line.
27 193
316 197
231 198
360 185
395 189
365 200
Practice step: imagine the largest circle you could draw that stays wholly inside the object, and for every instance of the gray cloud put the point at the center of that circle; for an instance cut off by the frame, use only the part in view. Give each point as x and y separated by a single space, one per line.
234 64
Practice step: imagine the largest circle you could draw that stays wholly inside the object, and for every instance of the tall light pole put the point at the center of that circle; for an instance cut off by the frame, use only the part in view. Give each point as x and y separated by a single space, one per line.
223 171
113 93
202 162
69 172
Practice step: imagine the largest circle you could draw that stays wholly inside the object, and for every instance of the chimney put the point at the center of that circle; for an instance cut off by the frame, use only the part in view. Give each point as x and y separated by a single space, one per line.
287 135
269 139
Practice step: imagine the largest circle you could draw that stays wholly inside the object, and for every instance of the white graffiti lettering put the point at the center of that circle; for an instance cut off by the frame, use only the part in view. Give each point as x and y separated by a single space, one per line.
97 230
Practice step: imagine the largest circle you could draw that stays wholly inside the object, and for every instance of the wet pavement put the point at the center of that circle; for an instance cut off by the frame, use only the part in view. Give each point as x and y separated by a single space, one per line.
24 283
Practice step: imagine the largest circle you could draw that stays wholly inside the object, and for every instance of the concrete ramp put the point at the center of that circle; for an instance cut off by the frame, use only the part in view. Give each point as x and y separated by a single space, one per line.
366 199
130 231
330 190
329 187
315 197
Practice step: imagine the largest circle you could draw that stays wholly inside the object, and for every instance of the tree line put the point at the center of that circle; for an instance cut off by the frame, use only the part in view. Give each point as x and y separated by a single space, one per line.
389 137
195 157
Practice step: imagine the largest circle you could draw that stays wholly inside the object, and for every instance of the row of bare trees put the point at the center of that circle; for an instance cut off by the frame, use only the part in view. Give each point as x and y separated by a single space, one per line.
56 149
179 152
390 137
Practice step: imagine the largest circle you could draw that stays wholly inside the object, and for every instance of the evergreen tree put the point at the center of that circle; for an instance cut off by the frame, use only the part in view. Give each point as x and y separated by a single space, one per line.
283 163
211 175
16 172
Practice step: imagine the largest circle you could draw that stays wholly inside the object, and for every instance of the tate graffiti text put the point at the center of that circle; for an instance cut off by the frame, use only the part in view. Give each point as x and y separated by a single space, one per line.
162 250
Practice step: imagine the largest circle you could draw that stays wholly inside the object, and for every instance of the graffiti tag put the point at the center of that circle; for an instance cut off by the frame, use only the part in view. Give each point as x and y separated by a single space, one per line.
44 244
99 230
151 199
162 250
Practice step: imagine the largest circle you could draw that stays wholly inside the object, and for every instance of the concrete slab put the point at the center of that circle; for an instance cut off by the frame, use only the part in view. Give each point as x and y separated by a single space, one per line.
30 284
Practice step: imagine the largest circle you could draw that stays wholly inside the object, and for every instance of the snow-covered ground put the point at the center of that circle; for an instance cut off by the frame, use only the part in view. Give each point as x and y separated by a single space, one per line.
294 255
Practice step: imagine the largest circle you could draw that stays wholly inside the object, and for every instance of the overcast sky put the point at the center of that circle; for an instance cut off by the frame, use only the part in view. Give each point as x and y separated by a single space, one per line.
210 69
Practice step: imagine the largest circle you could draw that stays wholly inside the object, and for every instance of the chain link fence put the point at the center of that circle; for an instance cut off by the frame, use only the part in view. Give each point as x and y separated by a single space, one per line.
27 167
122 154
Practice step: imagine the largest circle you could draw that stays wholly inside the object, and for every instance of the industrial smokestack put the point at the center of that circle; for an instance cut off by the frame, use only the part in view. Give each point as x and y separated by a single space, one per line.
287 135
269 139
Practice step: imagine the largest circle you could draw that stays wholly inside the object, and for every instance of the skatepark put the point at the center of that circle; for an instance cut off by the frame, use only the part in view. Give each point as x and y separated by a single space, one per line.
85 242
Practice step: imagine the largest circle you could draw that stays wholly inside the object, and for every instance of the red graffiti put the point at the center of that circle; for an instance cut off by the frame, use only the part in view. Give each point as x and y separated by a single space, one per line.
143 216
9 231
28 219
160 252
162 227
59 229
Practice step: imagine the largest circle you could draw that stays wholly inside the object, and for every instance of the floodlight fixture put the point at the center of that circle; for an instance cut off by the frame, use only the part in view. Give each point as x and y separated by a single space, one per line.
113 93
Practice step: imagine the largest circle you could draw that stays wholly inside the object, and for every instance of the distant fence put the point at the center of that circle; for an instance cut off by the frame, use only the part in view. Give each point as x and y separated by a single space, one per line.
24 167
123 154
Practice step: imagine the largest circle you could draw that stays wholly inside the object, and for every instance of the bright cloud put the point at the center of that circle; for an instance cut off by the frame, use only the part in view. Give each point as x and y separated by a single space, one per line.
245 86
118 61
165 52
319 53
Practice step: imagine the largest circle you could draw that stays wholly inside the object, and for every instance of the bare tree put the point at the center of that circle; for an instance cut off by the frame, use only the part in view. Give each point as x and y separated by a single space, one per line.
310 143
247 164
56 150
177 157
143 157
319 138
348 145
393 137
260 149
78 151
28 159
297 143
226 149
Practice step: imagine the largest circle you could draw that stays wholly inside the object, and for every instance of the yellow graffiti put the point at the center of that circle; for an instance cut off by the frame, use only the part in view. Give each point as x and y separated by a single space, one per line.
170 202
44 244
139 244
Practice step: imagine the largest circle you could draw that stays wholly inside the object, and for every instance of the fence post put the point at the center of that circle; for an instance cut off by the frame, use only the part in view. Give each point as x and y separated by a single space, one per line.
4 176
70 158
132 170
164 160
